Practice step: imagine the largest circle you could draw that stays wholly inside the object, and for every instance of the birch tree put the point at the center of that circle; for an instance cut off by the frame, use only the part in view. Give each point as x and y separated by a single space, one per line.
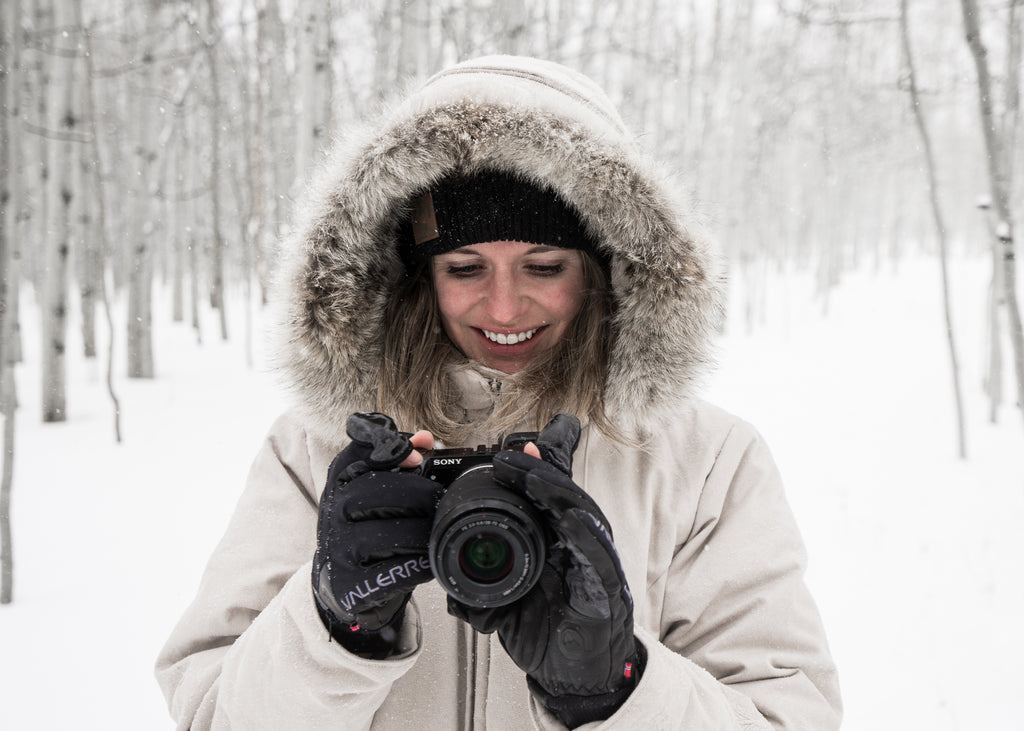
1000 182
62 123
997 286
217 298
940 225
178 201
99 201
413 31
261 191
139 343
14 193
312 70
41 23
511 26
248 173
10 21
89 264
275 124
195 176
175 224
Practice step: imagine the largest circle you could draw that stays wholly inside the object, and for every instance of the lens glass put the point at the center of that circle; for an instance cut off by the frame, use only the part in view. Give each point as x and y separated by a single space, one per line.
486 558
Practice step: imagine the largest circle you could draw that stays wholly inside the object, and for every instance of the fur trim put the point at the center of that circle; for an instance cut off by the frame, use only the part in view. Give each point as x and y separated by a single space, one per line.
520 115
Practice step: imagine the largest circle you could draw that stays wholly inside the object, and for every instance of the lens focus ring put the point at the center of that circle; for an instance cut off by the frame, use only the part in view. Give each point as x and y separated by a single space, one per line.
487 546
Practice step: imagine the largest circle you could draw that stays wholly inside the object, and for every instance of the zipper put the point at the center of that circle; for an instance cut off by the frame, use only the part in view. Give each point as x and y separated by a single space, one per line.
466 640
471 676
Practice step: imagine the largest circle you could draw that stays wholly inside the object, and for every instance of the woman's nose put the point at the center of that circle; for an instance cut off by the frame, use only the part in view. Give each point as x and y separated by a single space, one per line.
505 302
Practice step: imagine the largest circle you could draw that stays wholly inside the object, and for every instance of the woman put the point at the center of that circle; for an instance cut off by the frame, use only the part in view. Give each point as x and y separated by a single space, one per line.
493 252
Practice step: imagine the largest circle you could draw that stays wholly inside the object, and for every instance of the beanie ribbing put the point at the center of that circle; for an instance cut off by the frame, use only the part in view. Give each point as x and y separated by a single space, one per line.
488 206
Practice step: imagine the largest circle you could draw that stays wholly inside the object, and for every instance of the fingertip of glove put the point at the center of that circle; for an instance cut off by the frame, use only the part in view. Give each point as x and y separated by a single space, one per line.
523 464
516 458
512 467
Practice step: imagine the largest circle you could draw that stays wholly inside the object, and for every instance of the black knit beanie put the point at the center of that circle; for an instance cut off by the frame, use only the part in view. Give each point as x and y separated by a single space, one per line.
487 206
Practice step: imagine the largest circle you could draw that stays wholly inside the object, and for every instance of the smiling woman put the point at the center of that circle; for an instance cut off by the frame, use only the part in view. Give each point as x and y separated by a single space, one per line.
497 257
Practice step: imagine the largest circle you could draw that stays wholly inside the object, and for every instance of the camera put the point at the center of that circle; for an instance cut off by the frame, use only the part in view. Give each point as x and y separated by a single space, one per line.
487 545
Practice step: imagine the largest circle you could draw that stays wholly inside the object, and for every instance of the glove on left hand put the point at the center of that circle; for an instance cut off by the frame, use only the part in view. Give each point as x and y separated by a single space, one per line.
573 633
371 537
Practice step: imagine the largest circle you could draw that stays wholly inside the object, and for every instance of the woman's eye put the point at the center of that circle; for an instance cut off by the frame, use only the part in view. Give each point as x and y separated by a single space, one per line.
547 270
465 270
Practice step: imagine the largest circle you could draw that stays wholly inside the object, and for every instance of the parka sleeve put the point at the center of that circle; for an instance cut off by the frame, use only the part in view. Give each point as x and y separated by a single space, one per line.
740 643
250 652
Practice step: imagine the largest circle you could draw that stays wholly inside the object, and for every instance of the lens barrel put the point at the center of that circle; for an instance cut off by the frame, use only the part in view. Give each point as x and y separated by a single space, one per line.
487 546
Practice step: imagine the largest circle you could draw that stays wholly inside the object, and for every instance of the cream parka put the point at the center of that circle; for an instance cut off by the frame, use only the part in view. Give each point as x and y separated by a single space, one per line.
708 543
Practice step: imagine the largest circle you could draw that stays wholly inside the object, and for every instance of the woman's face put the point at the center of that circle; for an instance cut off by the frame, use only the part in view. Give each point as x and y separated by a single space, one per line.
505 302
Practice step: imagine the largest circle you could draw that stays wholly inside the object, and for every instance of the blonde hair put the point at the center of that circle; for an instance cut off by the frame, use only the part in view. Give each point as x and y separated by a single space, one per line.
418 360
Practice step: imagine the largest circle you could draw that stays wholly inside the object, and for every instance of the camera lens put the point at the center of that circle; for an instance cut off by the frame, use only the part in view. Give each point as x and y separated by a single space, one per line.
486 557
487 546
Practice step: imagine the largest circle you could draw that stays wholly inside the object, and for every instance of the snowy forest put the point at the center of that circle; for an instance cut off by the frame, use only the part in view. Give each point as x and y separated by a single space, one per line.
848 154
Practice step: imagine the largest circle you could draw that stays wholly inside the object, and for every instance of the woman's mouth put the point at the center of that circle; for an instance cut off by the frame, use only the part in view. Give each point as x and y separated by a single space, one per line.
509 338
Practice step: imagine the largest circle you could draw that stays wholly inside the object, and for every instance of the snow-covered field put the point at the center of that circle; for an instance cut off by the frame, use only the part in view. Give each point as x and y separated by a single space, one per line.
915 555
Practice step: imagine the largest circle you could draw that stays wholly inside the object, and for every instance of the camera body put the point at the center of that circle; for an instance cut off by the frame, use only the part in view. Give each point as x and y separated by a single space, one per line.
487 545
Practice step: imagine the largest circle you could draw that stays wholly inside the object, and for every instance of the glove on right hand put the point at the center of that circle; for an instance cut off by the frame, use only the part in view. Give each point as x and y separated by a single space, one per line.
573 632
372 536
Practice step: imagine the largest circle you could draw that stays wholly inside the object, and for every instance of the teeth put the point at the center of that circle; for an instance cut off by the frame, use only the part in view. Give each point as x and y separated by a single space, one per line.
511 338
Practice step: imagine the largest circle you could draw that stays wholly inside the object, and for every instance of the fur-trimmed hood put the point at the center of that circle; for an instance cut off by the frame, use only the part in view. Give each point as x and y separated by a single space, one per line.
522 115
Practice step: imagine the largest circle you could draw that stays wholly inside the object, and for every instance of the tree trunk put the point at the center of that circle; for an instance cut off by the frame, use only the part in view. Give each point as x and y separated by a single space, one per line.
217 298
60 192
277 121
1000 182
37 226
994 371
244 180
90 264
139 344
9 30
17 217
940 225
9 399
140 301
313 71
384 43
510 24
174 231
259 163
1011 112
100 201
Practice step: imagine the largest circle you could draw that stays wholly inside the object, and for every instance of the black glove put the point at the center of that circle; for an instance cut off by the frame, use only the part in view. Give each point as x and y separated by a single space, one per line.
371 537
573 632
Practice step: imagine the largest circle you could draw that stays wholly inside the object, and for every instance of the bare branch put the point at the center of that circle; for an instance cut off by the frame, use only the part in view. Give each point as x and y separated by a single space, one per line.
940 225
58 135
833 17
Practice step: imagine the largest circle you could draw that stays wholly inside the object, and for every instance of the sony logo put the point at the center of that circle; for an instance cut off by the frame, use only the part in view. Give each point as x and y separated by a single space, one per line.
448 461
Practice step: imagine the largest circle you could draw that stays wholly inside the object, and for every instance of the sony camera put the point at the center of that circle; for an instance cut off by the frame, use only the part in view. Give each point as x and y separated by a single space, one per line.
487 545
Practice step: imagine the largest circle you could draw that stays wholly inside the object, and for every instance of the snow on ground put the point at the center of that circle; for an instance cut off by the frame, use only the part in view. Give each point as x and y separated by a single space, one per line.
914 554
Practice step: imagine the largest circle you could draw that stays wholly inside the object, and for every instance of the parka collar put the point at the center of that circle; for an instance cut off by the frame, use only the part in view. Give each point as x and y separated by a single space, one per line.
478 389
